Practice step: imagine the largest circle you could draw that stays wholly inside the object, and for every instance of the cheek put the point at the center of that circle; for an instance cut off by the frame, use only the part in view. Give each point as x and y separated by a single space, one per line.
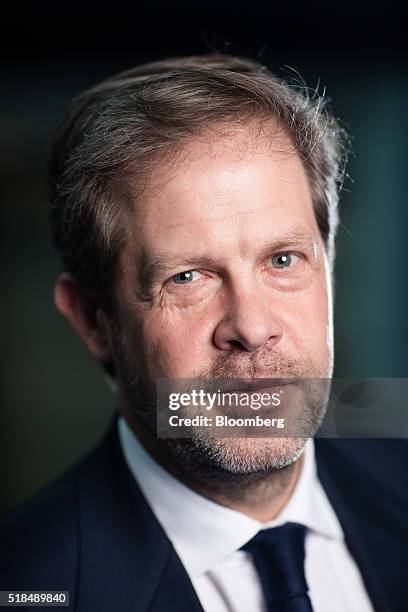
178 344
310 325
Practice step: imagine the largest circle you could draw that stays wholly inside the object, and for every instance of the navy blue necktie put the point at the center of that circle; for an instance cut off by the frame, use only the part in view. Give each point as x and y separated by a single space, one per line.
279 557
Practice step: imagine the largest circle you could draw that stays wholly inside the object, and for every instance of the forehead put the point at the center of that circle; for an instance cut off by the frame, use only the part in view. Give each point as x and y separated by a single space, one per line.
223 192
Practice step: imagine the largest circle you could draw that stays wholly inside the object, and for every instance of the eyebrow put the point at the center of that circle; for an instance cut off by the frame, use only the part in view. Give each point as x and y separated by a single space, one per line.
155 266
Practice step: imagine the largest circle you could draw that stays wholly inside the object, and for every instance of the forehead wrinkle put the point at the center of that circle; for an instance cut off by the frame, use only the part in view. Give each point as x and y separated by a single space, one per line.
238 213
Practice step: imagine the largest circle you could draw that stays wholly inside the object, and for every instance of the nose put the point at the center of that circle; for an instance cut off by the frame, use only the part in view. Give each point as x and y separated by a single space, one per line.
250 321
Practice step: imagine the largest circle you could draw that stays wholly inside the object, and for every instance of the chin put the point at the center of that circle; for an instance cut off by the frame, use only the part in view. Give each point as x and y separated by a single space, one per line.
252 455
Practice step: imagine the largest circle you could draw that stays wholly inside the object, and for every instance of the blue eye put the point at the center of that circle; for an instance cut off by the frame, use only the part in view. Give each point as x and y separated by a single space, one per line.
185 277
282 260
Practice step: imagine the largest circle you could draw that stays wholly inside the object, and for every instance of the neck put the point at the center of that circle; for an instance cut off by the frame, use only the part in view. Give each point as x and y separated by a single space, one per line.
260 495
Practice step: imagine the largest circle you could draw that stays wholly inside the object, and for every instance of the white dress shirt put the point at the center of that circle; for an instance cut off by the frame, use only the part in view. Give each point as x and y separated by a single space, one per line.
207 537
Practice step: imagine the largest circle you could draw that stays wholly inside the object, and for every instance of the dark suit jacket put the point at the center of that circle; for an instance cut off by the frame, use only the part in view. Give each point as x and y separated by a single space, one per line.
92 532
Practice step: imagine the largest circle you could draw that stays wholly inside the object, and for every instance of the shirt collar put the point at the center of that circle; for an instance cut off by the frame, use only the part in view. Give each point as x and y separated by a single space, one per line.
204 532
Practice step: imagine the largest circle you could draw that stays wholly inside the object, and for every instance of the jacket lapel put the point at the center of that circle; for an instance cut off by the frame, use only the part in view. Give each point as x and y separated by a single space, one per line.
174 590
126 561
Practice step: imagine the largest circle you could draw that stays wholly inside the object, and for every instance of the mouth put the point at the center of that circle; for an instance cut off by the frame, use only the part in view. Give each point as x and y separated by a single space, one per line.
257 384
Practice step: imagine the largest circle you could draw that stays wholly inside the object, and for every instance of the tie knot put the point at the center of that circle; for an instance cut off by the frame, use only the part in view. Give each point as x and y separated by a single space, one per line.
279 555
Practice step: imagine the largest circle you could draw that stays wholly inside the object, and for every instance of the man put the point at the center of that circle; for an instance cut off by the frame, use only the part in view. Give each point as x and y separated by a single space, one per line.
194 203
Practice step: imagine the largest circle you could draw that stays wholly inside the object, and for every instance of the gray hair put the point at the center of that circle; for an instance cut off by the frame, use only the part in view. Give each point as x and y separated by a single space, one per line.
115 130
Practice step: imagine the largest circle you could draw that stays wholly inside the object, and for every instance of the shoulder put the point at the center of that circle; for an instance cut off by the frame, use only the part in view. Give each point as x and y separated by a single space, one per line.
73 521
39 541
370 471
41 536
385 457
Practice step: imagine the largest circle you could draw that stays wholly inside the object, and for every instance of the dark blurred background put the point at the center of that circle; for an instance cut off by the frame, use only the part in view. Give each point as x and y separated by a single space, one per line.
55 403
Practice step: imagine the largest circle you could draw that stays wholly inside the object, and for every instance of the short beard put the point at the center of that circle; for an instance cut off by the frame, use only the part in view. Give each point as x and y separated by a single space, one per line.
214 461
227 466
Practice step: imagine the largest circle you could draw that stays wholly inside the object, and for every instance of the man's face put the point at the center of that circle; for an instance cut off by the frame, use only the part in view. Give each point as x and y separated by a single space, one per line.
224 275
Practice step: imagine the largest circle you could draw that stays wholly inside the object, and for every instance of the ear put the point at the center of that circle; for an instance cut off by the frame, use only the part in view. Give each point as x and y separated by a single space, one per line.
80 307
